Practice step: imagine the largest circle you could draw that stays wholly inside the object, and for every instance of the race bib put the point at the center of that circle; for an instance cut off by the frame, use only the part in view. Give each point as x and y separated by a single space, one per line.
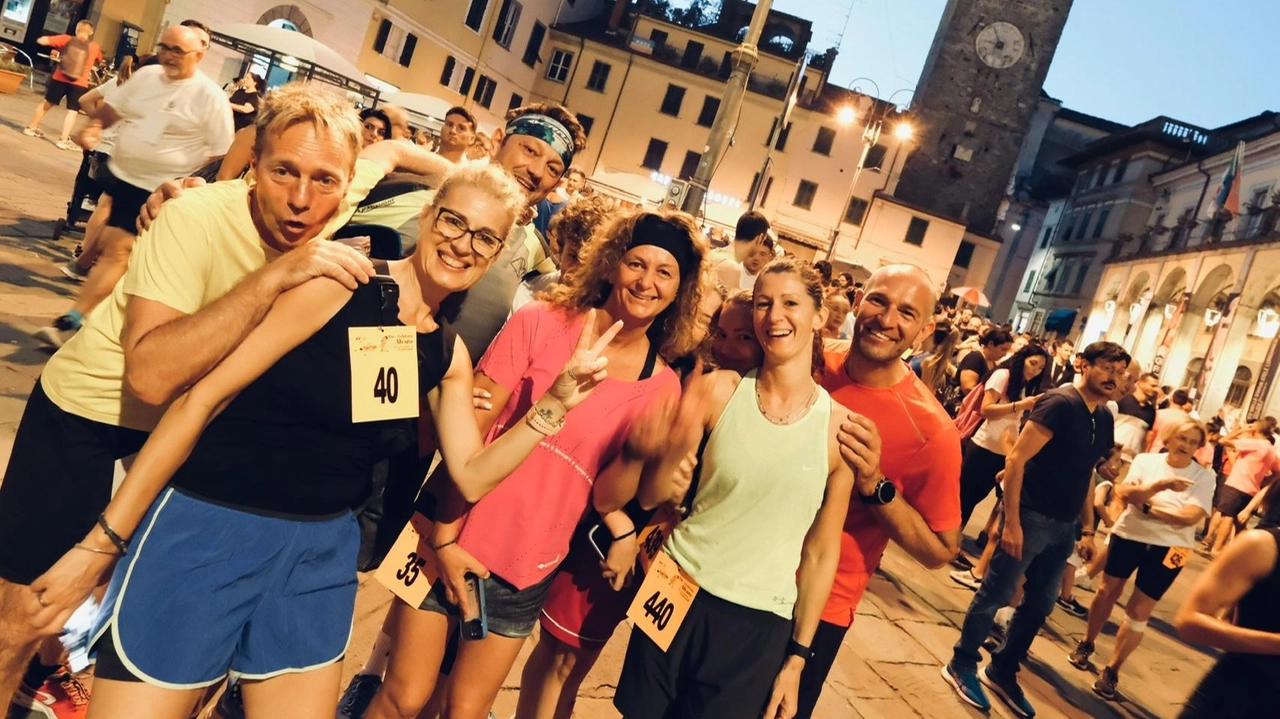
384 373
655 534
1176 557
409 569
663 602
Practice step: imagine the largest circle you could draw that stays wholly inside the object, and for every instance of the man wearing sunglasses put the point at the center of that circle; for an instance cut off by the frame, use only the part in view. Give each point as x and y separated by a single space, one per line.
173 120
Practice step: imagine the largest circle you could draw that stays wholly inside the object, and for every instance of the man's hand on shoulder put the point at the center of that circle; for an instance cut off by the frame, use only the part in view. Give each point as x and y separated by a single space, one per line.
320 258
169 190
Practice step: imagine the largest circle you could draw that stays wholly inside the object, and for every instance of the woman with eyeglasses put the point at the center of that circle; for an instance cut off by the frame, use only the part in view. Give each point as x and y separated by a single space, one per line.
643 271
246 562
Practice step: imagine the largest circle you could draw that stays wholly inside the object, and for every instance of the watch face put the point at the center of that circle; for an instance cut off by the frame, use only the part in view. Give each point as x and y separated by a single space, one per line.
1000 45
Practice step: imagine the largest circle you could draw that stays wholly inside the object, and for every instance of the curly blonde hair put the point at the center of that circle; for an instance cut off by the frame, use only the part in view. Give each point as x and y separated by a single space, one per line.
675 329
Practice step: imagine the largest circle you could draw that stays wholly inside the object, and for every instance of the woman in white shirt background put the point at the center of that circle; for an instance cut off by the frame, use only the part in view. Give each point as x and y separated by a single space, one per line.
1165 495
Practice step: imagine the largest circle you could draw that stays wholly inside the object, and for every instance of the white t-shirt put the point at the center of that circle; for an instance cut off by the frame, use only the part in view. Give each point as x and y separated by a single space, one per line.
1138 527
172 127
108 141
734 276
992 433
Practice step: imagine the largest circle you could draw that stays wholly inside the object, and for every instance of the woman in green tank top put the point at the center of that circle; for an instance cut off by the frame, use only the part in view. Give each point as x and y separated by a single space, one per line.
763 538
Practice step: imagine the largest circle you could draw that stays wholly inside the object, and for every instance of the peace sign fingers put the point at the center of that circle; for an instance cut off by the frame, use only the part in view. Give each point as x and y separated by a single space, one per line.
586 368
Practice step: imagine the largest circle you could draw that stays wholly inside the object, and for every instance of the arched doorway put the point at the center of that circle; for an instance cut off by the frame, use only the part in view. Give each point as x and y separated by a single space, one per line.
287 17
1238 392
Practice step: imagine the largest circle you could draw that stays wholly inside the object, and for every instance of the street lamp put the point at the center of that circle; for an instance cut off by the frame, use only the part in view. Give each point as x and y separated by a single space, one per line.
903 131
846 115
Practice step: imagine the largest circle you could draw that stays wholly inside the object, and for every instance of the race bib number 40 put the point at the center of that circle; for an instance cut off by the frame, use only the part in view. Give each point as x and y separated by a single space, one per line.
663 602
384 373
409 569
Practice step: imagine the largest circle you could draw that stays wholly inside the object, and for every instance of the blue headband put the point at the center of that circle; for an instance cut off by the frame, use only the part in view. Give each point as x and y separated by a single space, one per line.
547 129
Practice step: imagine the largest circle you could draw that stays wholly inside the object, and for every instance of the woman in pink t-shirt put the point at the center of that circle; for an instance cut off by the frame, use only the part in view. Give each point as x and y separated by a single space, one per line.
1255 459
643 270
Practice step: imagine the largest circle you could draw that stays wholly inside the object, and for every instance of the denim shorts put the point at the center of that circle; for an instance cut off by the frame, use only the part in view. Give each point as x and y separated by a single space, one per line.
510 612
209 590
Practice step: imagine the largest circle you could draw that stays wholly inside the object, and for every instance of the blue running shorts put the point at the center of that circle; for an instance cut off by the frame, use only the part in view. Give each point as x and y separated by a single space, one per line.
208 590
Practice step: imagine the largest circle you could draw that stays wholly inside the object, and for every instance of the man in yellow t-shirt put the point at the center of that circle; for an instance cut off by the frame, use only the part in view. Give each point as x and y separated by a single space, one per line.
202 276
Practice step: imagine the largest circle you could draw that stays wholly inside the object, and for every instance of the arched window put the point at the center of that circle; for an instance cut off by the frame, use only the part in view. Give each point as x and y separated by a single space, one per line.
286 17
283 24
1239 388
1193 369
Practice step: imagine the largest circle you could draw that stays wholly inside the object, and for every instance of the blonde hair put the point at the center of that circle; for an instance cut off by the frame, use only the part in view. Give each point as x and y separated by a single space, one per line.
675 329
1183 425
297 102
489 179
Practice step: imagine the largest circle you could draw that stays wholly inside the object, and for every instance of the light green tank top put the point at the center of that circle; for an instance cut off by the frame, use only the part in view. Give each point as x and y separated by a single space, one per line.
762 485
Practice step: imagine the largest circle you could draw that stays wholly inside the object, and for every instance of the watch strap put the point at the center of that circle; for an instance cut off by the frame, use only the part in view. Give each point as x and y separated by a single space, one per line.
796 649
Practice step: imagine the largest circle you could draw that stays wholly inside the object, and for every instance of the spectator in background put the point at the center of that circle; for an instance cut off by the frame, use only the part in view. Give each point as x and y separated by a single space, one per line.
1178 410
838 307
375 126
978 364
457 134
936 368
824 270
752 233
1061 368
1136 415
399 129
245 98
481 149
76 57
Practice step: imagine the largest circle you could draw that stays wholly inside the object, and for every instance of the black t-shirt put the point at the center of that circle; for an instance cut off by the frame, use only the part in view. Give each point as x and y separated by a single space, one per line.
1056 481
286 444
974 362
1130 405
241 97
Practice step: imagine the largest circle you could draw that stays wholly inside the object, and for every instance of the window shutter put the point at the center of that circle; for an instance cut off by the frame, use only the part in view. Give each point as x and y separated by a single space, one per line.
406 53
384 31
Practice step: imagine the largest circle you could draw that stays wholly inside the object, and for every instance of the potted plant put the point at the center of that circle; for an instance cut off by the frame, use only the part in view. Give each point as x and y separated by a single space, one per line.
11 75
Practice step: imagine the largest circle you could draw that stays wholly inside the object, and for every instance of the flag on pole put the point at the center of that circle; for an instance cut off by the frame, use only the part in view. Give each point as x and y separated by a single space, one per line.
1228 197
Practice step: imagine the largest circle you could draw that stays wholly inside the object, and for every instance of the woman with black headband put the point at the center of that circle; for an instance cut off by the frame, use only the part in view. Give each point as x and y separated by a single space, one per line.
643 271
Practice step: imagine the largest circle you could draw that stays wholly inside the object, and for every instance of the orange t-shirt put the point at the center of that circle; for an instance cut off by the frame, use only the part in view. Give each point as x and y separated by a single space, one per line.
57 42
919 453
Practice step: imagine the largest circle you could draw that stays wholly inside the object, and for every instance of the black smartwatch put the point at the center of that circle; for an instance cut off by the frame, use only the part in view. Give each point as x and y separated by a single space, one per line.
883 493
1146 508
796 649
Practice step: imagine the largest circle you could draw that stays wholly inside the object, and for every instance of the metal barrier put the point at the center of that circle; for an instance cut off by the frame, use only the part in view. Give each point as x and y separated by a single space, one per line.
7 51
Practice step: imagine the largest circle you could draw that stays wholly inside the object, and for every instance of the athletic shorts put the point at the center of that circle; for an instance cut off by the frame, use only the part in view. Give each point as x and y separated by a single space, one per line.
209 590
509 612
126 203
582 610
721 663
1231 502
57 482
1125 556
56 90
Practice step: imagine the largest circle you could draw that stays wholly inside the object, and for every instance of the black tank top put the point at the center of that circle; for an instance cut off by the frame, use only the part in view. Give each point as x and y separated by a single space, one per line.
1260 606
286 445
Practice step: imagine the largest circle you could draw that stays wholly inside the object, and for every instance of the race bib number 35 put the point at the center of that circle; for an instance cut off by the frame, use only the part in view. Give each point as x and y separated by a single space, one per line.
384 373
663 602
409 569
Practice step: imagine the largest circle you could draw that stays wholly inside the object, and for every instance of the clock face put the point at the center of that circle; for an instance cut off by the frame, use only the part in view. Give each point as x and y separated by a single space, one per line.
1000 45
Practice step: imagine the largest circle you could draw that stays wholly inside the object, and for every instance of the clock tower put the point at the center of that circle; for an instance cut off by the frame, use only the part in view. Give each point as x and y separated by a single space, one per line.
979 88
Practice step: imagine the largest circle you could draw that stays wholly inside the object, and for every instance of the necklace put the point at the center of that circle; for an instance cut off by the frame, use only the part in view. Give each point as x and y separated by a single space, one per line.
790 418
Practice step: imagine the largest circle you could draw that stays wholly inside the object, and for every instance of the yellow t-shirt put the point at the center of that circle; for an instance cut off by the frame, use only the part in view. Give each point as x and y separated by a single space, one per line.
200 247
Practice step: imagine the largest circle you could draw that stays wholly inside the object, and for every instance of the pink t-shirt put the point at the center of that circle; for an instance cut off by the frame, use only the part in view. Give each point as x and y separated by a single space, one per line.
1255 459
520 531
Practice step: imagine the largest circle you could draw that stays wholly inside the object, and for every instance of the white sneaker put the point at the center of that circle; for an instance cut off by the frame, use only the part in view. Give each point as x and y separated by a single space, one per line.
29 132
966 579
66 144
73 271
1084 581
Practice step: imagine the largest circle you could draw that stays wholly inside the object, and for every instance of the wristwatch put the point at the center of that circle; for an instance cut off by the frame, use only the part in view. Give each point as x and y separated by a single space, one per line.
883 493
1146 508
796 649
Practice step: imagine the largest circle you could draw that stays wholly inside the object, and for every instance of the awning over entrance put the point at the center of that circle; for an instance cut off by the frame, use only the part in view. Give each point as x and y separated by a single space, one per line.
295 52
1060 321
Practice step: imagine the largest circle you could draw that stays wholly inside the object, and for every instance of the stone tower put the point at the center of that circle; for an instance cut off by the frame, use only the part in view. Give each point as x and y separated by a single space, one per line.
977 93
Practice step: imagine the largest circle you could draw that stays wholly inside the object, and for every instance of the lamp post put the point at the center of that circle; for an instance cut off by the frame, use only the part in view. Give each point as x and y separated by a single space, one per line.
870 137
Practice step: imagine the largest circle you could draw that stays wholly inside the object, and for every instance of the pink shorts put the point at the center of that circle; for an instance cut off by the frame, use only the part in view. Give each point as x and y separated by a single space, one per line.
582 610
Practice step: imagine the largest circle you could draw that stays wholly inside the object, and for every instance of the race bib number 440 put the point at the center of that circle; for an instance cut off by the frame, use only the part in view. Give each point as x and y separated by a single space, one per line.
384 373
663 602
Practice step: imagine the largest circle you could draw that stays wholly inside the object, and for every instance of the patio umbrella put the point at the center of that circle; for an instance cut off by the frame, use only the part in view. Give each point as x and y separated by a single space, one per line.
292 44
972 295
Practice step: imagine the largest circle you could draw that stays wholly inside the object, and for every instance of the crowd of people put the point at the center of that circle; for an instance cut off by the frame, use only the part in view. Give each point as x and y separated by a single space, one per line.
576 414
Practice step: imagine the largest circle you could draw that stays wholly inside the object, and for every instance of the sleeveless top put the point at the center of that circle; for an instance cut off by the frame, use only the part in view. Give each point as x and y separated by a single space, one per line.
762 485
286 445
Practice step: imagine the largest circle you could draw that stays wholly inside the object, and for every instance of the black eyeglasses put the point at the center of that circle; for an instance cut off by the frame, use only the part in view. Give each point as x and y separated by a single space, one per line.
172 50
452 226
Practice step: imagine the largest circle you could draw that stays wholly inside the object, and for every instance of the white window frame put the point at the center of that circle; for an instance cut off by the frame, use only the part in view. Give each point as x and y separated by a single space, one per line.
561 60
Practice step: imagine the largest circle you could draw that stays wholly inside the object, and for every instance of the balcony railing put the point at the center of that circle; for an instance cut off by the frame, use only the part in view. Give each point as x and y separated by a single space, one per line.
1263 226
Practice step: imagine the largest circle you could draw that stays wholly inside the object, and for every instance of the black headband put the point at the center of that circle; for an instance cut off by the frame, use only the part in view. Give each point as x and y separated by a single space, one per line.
654 230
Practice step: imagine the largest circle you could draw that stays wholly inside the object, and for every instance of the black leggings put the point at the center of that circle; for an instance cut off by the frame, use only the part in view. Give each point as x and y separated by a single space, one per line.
977 477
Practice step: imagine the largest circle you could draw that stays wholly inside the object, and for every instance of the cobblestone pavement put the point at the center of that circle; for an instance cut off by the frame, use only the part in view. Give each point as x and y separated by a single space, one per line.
889 665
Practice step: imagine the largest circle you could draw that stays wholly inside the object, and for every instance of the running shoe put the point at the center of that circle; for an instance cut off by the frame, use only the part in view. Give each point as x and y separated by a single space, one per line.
1080 657
32 132
62 696
57 334
1105 687
1084 581
1007 689
66 144
966 579
1073 607
967 686
231 703
962 562
355 700
73 271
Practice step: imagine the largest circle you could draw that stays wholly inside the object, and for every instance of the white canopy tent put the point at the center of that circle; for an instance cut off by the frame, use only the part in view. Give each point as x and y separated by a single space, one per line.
297 53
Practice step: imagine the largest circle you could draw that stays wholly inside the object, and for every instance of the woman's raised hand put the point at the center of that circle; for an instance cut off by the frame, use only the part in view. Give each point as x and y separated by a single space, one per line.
586 368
